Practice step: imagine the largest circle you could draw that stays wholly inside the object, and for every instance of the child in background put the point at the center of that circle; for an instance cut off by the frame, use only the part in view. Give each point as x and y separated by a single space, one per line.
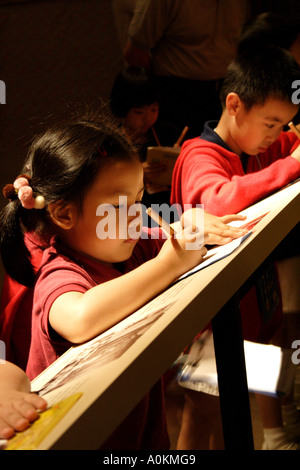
18 407
245 157
74 171
270 28
134 101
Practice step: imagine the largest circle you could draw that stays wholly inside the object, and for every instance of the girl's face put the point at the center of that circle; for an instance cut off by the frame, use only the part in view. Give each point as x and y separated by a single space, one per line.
140 119
255 130
106 230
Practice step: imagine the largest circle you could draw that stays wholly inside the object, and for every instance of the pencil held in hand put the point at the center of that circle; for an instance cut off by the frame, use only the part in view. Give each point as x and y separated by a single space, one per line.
294 129
196 237
160 221
181 137
155 136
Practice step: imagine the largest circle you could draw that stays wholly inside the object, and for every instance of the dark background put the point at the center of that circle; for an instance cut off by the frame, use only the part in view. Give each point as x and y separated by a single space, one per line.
55 55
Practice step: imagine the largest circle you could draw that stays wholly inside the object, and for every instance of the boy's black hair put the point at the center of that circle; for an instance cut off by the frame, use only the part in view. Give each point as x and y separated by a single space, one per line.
260 73
133 87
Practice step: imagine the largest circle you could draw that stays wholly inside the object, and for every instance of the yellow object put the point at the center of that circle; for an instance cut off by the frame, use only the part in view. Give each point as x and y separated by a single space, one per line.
36 433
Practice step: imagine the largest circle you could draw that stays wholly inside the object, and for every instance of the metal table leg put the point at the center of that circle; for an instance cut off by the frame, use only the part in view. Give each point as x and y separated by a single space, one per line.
233 388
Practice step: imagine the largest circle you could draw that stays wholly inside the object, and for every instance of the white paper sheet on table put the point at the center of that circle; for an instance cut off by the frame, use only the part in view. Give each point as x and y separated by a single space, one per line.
218 253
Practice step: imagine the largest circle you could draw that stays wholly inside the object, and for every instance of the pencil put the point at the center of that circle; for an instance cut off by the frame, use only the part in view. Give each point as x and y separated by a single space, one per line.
294 129
160 221
155 136
181 137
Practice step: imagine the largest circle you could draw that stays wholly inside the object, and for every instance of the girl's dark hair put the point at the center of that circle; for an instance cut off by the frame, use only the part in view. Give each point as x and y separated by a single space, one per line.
133 87
260 73
63 163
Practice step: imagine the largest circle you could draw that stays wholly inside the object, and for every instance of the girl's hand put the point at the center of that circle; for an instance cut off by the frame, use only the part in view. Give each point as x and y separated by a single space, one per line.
215 229
18 410
183 251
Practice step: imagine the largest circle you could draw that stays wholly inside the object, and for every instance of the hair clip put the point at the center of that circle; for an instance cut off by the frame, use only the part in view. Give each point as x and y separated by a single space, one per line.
21 189
10 192
102 152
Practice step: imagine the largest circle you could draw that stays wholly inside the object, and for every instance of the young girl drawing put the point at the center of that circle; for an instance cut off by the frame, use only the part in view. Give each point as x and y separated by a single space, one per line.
70 173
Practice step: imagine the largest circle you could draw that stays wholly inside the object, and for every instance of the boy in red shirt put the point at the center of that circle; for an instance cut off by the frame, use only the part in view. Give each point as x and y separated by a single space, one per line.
245 156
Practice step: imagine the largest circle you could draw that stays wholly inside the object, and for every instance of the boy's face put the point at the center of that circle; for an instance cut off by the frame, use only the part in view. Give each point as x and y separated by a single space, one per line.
256 129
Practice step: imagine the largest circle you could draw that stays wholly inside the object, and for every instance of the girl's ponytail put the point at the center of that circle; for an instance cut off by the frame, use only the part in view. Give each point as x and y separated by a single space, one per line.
14 253
16 218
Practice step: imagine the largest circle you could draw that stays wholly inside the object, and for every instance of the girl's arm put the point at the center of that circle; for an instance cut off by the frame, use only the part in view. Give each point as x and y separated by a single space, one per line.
18 407
78 317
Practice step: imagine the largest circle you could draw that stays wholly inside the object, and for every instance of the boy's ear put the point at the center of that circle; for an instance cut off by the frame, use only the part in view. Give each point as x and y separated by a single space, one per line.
62 215
233 103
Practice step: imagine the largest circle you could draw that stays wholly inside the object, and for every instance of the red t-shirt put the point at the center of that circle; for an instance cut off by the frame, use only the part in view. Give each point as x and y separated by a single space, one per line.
210 174
16 308
61 271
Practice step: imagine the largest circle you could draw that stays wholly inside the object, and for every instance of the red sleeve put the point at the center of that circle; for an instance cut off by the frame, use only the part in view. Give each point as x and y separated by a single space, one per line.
206 176
57 278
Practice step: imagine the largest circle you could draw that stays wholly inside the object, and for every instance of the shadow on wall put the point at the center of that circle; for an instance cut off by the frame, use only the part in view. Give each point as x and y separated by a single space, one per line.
53 55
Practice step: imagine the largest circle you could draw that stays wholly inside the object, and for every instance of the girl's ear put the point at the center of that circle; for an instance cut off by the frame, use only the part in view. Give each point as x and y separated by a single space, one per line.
233 103
62 215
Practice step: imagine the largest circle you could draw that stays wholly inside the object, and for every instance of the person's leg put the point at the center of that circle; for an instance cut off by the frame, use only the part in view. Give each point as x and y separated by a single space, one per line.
201 427
278 415
289 279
